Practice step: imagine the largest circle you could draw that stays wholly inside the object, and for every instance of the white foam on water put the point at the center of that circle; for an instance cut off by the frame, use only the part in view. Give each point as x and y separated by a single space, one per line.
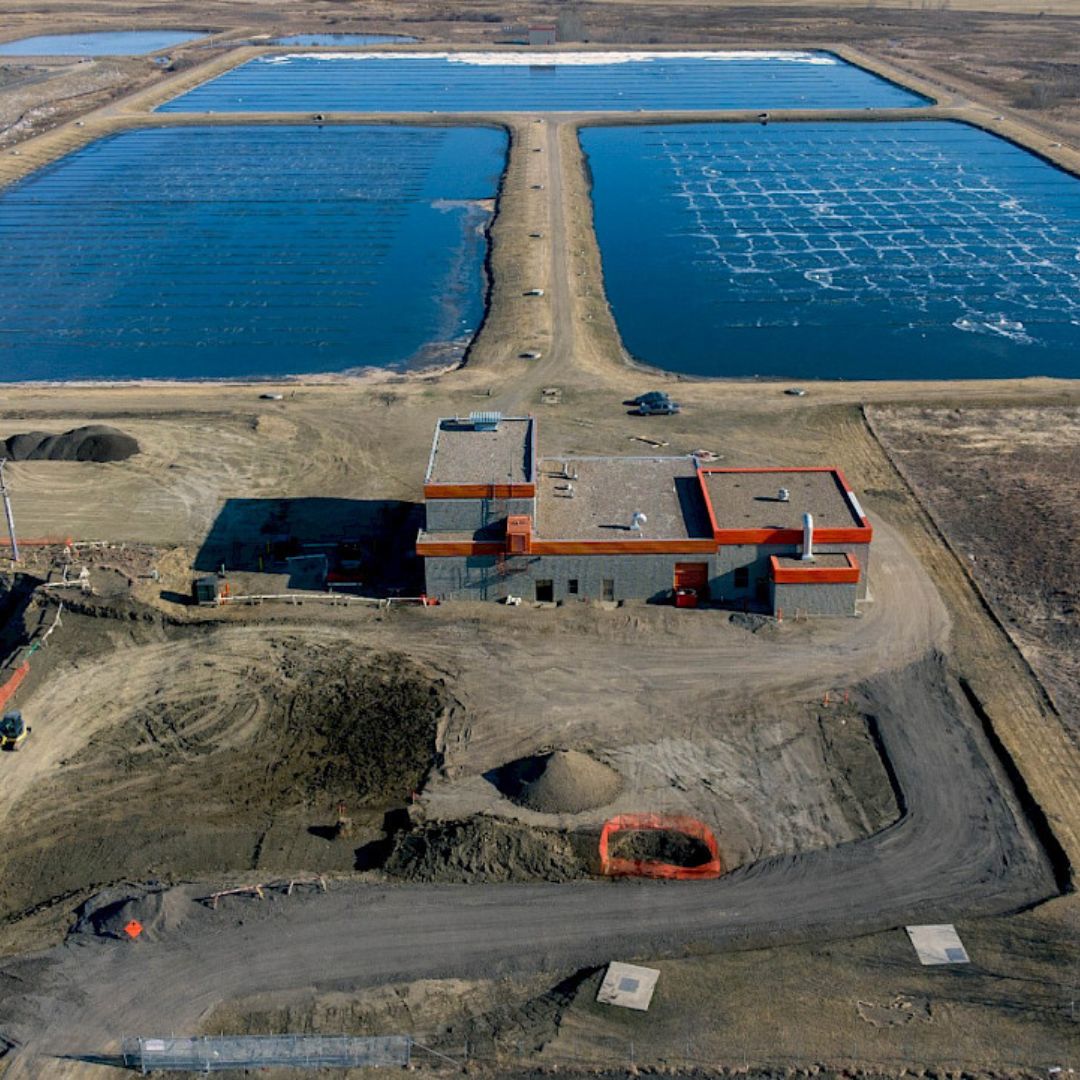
995 324
564 59
823 278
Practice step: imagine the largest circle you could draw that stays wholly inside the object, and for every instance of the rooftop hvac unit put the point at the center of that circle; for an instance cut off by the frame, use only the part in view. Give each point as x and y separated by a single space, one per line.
485 421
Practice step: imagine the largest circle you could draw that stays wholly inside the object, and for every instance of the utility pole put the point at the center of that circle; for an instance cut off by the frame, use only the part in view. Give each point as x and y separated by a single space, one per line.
8 514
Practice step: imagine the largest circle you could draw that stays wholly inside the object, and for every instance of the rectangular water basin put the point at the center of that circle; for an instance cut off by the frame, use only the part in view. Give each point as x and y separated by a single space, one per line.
328 40
99 43
224 252
909 250
556 81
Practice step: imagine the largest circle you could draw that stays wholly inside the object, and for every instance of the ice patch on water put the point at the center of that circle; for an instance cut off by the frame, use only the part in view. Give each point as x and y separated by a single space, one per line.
824 278
564 59
1004 327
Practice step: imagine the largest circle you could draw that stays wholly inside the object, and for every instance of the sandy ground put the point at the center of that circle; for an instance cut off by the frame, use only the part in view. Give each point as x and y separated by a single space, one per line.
771 773
861 1003
1000 484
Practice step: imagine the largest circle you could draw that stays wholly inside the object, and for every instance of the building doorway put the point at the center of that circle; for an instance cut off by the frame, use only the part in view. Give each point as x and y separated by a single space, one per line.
607 589
545 592
692 575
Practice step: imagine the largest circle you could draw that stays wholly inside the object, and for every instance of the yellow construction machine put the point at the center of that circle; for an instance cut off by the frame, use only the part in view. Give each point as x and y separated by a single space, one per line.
13 731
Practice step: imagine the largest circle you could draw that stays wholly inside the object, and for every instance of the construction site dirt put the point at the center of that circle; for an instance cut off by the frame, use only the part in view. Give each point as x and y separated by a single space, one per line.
696 712
372 779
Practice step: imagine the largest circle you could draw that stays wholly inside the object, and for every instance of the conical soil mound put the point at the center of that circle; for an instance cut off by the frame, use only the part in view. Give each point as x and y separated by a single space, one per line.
561 782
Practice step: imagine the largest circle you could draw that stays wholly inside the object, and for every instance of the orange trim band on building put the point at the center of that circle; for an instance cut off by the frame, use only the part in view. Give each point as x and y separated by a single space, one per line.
856 534
435 548
430 548
623 547
479 491
815 575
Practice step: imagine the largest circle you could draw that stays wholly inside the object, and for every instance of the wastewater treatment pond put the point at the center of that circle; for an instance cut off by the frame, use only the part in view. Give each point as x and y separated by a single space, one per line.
526 82
225 252
909 250
326 40
99 43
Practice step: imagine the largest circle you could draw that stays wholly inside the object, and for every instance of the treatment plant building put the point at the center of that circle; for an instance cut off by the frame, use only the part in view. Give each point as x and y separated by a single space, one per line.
502 521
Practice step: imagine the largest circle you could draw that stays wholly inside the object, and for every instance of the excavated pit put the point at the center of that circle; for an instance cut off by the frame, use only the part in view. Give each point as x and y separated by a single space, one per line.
659 846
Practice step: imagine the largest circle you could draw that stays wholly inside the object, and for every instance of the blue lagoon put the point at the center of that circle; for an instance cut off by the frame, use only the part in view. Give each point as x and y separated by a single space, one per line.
247 251
911 250
527 82
99 43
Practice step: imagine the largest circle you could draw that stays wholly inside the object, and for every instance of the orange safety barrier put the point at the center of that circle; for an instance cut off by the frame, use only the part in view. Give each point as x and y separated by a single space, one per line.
615 867
41 541
7 691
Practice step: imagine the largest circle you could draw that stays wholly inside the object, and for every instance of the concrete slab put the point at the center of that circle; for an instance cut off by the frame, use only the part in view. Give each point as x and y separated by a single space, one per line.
938 944
628 986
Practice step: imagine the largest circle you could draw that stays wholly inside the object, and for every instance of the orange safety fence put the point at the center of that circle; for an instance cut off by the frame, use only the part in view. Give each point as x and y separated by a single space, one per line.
616 867
40 541
7 691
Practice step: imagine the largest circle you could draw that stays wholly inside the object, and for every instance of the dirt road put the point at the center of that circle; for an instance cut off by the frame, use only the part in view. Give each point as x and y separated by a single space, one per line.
960 846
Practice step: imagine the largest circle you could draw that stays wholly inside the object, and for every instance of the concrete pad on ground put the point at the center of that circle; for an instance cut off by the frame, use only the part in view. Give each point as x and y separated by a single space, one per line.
628 986
938 944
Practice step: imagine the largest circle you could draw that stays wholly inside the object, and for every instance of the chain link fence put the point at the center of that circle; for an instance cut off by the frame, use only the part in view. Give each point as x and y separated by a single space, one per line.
204 1053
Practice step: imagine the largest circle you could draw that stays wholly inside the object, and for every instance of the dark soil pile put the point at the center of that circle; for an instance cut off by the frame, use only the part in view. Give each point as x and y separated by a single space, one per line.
659 845
96 442
362 727
562 782
484 849
156 909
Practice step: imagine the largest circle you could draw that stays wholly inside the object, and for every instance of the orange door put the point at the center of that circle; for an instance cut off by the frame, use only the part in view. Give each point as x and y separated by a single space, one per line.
691 575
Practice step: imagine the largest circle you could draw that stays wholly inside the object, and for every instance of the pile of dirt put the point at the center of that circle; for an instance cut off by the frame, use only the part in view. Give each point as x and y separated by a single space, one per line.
485 849
155 908
659 845
96 442
362 726
227 746
561 782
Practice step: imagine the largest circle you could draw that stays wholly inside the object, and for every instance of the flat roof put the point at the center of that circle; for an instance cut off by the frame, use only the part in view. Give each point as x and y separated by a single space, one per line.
608 491
824 560
466 452
749 499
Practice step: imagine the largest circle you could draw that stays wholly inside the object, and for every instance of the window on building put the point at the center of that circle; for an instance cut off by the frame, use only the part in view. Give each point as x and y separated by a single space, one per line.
545 592
607 589
742 577
572 587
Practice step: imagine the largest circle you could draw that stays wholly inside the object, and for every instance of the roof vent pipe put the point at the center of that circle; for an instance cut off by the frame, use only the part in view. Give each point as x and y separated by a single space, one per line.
783 495
637 521
808 536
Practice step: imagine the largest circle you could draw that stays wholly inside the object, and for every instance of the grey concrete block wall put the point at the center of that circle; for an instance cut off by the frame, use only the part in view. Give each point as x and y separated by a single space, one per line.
825 599
473 515
632 577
